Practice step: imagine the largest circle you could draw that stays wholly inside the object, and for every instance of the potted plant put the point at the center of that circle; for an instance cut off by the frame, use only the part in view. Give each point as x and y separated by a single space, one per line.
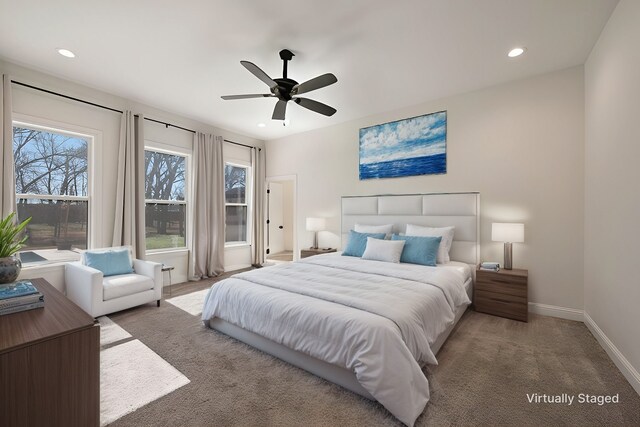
10 243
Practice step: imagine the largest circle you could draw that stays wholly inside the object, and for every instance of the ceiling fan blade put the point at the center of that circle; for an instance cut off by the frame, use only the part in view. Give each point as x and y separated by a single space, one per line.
280 110
313 84
256 71
256 95
316 106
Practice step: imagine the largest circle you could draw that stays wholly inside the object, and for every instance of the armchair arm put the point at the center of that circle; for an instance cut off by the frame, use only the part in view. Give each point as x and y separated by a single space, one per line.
150 269
84 286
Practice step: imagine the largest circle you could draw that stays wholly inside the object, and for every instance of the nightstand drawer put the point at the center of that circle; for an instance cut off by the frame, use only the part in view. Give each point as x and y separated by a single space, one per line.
500 286
504 305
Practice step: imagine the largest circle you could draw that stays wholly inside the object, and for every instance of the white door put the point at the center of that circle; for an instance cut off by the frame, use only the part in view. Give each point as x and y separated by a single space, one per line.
276 218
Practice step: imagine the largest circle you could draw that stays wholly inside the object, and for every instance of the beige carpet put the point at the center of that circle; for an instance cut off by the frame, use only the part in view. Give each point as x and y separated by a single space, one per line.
486 369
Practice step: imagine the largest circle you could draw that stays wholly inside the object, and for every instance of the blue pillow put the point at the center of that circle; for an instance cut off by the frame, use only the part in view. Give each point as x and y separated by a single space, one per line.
110 262
419 250
358 242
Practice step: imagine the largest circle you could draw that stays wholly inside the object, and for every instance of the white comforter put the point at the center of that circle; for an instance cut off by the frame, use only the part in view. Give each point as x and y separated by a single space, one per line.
374 318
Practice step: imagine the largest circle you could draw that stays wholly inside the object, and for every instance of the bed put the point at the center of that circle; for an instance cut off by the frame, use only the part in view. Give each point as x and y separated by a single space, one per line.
369 326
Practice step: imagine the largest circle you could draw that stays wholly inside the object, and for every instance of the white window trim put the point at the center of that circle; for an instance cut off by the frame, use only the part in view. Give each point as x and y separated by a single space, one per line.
94 172
159 147
248 204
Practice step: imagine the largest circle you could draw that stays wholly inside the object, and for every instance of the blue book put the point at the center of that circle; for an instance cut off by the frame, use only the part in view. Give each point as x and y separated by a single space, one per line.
17 289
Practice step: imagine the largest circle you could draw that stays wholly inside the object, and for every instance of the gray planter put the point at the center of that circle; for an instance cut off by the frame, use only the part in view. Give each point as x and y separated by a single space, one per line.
9 269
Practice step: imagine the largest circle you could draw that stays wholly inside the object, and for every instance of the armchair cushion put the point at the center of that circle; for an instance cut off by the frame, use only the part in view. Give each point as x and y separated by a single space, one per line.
110 262
125 284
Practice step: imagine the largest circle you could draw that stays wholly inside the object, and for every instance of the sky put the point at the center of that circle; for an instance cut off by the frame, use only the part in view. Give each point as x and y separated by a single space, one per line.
415 137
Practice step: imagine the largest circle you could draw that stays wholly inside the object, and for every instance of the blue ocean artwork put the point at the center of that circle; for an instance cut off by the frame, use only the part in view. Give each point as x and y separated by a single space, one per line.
415 146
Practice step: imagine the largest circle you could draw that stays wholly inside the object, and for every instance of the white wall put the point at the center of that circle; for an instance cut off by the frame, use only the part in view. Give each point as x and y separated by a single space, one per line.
520 144
287 213
612 179
48 107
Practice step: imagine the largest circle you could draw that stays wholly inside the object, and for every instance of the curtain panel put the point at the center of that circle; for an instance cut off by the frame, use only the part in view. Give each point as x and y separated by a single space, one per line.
207 243
8 185
129 226
257 238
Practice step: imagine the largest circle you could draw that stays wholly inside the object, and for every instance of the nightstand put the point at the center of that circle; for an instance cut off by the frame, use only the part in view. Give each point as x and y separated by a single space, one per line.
502 293
311 251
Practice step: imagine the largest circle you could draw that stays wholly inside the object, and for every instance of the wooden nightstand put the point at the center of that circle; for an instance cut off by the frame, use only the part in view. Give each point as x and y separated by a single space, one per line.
502 293
311 252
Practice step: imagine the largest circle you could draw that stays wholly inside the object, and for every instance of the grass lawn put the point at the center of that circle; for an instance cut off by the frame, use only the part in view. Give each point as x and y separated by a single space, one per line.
164 241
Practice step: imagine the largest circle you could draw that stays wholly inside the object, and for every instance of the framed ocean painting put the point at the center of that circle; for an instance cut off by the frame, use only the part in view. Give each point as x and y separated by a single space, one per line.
408 147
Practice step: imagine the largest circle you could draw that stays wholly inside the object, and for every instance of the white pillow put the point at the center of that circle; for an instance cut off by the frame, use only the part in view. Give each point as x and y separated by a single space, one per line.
445 244
383 250
363 228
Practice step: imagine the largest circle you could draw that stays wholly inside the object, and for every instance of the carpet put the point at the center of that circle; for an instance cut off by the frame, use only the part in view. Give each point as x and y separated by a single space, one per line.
131 374
486 369
191 303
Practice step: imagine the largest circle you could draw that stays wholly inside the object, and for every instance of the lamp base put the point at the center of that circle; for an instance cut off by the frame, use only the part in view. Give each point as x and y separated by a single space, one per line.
315 240
508 256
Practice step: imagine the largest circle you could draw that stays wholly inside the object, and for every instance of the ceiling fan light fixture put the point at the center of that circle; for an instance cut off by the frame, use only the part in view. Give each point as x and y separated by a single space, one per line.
284 89
516 51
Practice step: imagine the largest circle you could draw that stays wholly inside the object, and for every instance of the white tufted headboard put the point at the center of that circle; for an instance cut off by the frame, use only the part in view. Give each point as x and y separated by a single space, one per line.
461 210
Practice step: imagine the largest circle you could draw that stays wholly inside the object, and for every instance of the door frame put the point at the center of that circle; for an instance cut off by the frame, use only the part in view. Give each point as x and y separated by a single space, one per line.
294 180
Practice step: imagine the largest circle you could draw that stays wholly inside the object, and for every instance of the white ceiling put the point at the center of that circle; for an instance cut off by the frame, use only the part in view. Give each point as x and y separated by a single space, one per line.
181 56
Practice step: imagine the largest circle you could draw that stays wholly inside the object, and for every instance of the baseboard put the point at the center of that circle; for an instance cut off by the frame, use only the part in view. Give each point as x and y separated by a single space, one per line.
629 372
235 267
556 311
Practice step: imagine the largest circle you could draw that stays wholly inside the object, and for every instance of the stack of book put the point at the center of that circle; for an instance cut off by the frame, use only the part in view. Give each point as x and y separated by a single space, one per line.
490 266
19 296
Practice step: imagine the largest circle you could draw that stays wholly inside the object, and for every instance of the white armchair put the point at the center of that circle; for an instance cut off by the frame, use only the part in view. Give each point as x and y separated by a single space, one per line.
99 295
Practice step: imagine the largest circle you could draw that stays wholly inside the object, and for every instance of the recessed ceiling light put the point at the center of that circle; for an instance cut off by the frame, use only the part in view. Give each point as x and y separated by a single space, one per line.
67 53
261 125
516 52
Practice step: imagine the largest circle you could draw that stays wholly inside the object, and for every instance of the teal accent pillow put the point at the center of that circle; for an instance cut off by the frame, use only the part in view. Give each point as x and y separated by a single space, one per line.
110 262
419 250
358 242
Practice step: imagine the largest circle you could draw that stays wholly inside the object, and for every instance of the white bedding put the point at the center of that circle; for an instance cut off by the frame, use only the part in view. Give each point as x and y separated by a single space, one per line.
374 318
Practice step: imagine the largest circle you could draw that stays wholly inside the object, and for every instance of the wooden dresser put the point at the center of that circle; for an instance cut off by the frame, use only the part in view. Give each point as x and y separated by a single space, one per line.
50 364
502 293
317 251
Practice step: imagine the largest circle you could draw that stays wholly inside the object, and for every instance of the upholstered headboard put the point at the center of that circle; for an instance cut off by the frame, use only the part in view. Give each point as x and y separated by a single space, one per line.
461 210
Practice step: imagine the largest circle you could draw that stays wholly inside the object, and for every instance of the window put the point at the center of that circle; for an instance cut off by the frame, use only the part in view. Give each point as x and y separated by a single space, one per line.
165 189
52 187
236 194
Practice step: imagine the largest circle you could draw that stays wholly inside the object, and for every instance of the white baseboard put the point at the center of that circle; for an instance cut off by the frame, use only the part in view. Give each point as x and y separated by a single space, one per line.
235 267
556 311
629 372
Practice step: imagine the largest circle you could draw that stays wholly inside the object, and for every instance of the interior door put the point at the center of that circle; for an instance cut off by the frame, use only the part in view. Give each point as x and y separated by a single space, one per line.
276 218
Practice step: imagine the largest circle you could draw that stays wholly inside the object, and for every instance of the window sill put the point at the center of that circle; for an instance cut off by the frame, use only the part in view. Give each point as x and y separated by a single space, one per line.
167 251
48 258
237 245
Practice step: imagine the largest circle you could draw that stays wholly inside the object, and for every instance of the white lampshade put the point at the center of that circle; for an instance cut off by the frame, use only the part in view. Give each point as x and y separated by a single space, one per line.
507 232
316 224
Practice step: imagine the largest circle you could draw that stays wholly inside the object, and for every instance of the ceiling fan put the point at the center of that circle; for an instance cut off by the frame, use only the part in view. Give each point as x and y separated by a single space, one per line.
286 89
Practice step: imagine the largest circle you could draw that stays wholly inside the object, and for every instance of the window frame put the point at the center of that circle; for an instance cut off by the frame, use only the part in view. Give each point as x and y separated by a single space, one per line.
248 198
173 151
94 175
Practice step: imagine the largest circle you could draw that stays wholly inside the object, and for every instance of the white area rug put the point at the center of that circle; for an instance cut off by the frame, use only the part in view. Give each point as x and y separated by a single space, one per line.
191 303
110 332
131 374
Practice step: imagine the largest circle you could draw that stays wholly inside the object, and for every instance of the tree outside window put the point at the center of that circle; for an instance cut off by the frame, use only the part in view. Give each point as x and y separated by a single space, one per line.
236 203
52 187
165 200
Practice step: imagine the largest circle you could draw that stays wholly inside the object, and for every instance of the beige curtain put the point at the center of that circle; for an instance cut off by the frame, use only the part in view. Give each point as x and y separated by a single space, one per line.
7 183
257 239
207 243
129 227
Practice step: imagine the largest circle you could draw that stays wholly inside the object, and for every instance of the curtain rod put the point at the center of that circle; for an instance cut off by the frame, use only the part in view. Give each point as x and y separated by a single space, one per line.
104 107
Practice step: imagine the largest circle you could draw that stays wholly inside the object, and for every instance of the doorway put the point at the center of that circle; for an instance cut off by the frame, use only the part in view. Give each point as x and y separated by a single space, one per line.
281 222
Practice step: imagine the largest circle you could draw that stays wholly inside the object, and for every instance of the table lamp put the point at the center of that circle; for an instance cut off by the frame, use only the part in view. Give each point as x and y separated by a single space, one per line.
315 225
508 233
